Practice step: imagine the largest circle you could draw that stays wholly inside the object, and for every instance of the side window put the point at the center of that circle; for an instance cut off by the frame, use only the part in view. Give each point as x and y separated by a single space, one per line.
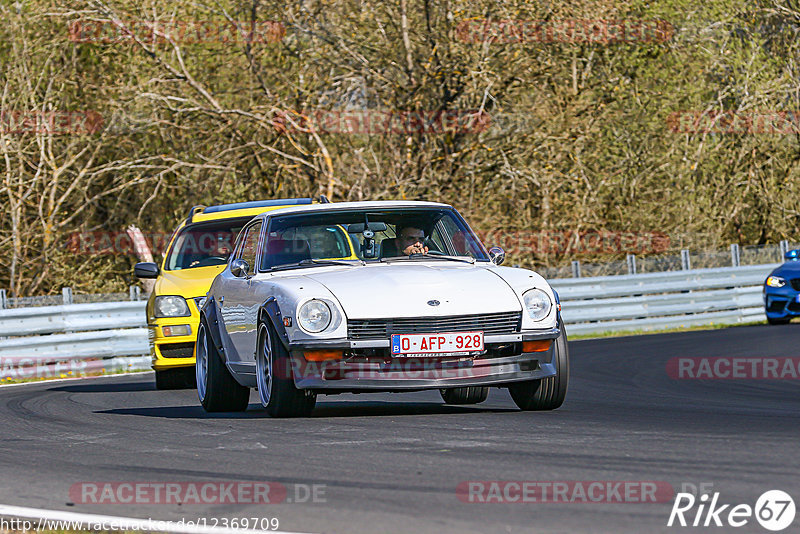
249 246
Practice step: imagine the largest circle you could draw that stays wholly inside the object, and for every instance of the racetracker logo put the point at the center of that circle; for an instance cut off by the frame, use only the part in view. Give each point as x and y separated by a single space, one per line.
567 491
50 122
564 31
735 122
179 32
377 122
207 492
733 368
575 242
774 510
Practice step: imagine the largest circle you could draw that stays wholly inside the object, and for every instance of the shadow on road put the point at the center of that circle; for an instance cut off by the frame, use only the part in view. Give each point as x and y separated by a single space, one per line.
106 387
323 410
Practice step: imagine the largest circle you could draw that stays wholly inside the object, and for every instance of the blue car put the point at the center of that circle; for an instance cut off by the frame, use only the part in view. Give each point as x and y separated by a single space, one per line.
782 290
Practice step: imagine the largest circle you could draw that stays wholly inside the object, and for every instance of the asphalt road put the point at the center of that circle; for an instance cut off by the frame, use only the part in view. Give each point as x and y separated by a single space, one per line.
392 463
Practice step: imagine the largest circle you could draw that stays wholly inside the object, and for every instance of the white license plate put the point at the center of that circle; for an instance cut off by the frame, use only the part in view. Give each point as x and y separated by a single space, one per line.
449 342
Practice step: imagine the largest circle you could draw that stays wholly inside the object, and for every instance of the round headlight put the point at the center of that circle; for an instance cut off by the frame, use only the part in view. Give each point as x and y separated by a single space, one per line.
171 306
537 303
314 316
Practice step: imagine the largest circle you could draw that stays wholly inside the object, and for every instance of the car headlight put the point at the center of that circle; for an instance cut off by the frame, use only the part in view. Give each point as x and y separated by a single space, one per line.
171 306
538 304
314 316
775 281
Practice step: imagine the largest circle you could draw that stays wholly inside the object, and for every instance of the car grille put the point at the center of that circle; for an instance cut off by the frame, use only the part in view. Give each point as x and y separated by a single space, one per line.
177 350
495 323
794 306
795 283
776 306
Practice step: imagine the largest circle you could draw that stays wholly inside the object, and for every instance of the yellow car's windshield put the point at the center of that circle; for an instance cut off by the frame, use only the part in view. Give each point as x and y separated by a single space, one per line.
204 244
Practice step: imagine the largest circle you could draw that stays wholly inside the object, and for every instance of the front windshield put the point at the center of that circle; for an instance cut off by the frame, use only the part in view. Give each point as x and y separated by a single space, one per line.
369 235
204 244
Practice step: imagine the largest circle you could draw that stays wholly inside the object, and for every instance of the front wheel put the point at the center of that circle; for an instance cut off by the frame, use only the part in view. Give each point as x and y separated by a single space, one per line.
275 381
778 320
546 393
217 390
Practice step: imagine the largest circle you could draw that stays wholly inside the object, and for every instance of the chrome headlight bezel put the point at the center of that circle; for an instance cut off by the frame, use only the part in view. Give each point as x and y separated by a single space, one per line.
171 306
305 318
775 281
538 304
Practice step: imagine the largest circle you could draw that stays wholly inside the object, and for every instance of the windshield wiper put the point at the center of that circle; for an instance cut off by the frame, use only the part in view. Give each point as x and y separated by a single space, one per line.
312 262
330 262
462 259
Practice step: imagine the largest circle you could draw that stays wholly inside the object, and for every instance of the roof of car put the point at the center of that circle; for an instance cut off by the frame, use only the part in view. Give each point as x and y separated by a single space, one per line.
372 204
242 209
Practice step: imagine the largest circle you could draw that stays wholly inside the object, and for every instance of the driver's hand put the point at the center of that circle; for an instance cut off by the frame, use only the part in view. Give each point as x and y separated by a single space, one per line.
416 248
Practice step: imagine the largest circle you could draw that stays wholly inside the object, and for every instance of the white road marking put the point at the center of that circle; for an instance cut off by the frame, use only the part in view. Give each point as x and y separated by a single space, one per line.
122 523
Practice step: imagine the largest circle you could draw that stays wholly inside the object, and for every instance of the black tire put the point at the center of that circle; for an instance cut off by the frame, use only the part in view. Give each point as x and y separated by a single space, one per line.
781 320
217 390
465 395
179 378
276 388
546 393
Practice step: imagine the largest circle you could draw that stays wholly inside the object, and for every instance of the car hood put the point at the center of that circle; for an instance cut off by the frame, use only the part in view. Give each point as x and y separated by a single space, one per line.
789 269
187 282
405 289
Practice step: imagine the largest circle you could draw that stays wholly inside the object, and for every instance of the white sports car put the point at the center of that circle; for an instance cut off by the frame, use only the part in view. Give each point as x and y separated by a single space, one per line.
375 296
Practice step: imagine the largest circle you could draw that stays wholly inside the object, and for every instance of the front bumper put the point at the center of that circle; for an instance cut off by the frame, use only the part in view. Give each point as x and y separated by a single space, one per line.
168 352
502 362
781 302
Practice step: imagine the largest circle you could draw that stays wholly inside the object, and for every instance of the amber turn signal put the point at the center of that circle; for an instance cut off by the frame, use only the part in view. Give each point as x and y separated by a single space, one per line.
536 346
323 355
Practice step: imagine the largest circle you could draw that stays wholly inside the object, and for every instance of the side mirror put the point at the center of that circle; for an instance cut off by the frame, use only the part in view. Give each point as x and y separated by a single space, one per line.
497 255
145 269
239 268
792 255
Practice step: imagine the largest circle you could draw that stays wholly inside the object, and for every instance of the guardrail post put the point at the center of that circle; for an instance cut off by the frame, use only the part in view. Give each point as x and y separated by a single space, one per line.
135 293
3 299
734 255
66 294
686 261
576 269
784 249
631 264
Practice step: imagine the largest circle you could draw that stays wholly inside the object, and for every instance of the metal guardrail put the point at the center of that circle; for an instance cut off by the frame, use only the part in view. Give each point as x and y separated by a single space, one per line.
69 339
58 340
654 301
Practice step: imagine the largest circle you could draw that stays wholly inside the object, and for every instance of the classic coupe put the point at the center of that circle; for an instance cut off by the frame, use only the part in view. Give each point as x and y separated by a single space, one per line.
389 296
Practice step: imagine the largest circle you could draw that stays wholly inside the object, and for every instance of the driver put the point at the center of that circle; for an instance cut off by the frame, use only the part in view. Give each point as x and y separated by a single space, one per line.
410 240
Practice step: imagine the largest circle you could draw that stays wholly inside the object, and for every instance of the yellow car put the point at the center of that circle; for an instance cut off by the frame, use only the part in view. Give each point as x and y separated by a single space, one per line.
197 251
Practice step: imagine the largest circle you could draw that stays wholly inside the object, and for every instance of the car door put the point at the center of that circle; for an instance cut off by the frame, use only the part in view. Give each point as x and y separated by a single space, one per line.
243 335
240 308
